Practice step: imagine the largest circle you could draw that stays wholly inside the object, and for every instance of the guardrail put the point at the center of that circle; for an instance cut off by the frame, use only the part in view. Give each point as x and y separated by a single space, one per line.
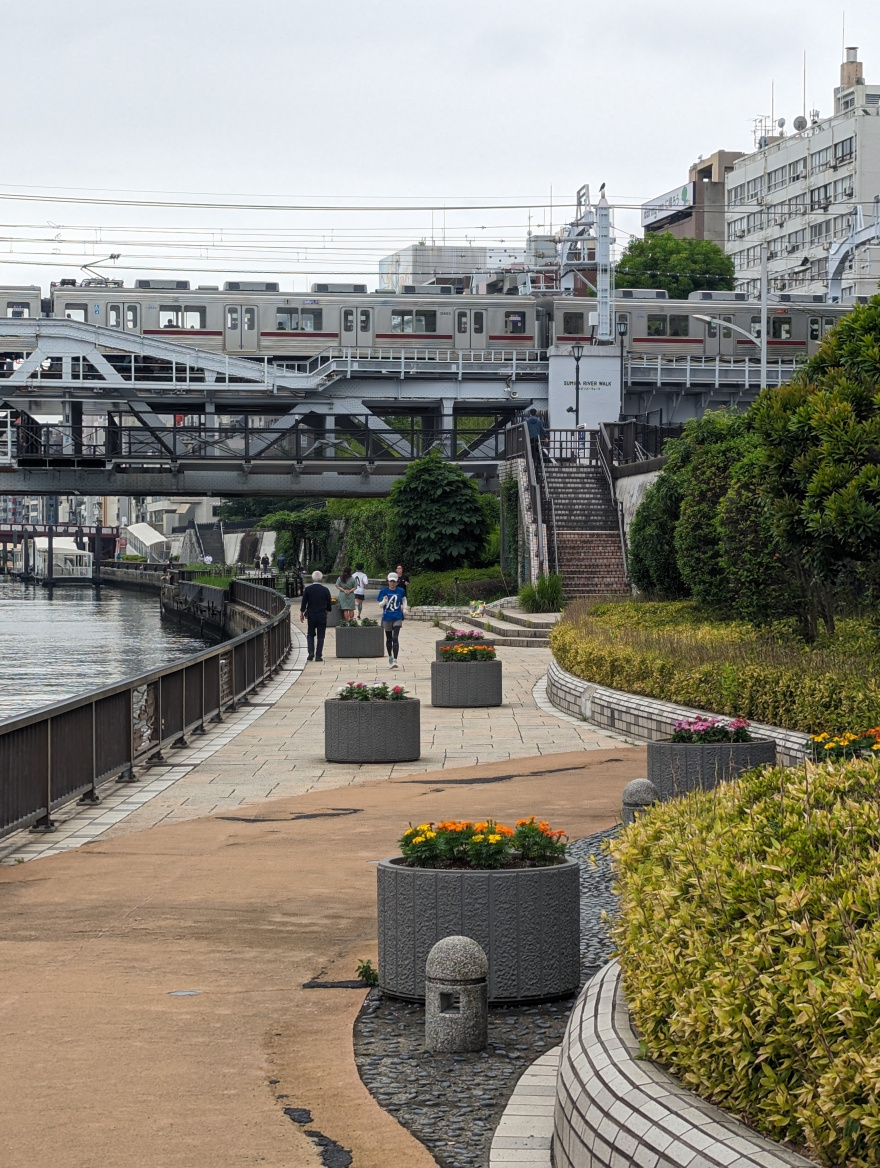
717 372
67 749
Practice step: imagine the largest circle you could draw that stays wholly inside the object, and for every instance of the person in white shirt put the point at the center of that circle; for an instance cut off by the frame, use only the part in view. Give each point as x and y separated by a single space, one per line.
361 580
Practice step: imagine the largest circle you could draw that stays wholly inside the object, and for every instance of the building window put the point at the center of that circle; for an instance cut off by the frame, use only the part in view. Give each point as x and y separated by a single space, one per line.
820 196
678 326
820 160
797 204
844 151
777 179
780 328
736 229
572 323
776 248
286 319
797 240
754 222
821 231
656 326
755 187
312 320
777 213
843 188
736 196
16 310
515 323
797 170
78 312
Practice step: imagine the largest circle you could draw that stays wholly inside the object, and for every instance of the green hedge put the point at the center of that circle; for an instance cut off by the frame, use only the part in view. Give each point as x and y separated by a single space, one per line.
673 652
474 584
750 946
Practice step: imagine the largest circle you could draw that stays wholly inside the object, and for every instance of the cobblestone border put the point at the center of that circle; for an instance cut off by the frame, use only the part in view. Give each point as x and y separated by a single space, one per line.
615 1110
647 718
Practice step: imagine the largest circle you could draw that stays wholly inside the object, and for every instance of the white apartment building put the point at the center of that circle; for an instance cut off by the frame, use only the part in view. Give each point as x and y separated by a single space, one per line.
798 192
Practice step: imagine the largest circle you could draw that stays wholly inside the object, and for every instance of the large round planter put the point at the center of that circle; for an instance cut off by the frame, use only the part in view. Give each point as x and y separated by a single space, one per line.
466 683
333 617
678 767
383 731
441 644
354 641
526 919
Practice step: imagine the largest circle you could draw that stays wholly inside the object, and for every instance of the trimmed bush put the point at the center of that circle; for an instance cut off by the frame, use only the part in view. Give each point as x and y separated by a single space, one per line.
473 584
675 653
750 944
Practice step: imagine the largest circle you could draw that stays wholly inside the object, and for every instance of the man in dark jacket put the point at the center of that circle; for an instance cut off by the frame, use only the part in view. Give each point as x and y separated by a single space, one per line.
316 603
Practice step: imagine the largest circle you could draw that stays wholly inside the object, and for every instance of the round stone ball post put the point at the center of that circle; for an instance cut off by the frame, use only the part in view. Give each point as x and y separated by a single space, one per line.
456 996
637 798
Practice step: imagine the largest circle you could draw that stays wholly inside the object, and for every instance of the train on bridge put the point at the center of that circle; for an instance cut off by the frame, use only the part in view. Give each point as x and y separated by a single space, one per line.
254 319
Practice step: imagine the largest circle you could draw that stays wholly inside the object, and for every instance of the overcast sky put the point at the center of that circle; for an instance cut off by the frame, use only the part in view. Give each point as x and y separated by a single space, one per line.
384 102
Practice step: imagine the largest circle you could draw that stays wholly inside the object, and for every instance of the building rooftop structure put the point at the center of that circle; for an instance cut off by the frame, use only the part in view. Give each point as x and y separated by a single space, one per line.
799 192
696 209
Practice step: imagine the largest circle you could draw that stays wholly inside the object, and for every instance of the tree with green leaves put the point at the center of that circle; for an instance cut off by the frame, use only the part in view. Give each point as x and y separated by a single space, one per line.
681 266
820 437
437 518
307 531
251 508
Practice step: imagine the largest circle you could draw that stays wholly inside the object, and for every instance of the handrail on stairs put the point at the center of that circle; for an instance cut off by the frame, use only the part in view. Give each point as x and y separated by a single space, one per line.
605 451
535 491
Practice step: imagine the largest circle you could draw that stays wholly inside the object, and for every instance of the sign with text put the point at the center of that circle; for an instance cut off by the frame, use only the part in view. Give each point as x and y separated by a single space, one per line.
664 205
599 387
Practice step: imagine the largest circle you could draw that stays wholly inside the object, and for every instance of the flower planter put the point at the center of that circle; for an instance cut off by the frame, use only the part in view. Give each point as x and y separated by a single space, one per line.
333 617
678 767
377 731
441 644
466 683
526 919
355 641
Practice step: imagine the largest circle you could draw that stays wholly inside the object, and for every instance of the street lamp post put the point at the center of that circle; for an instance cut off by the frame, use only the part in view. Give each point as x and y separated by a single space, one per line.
763 315
577 351
622 330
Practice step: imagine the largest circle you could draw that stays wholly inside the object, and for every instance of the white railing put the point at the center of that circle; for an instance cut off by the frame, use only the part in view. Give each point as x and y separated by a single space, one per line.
701 371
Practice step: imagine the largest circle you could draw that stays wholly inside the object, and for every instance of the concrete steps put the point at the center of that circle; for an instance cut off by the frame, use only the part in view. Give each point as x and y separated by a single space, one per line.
504 633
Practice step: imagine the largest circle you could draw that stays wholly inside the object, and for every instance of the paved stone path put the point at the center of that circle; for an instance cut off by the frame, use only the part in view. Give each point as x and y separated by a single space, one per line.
275 746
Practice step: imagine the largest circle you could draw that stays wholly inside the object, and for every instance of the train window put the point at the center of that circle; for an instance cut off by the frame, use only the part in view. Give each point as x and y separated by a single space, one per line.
249 320
514 323
194 318
780 328
348 320
232 318
426 321
827 324
364 320
76 312
404 320
16 309
726 332
114 316
656 326
678 326
755 327
814 328
131 316
478 321
711 330
287 319
312 320
572 324
170 316
462 324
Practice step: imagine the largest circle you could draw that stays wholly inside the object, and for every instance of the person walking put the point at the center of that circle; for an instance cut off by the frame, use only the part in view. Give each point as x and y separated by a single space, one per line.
281 562
264 564
393 602
360 592
402 579
315 605
538 435
345 586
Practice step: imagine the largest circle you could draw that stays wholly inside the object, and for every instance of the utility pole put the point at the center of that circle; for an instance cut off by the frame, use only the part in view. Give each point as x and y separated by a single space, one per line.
763 315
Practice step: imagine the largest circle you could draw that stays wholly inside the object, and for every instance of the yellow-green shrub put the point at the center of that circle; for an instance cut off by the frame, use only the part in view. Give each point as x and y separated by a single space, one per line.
749 936
672 652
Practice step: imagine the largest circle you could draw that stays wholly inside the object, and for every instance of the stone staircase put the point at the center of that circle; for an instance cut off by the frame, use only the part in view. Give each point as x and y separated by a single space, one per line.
516 630
582 527
211 540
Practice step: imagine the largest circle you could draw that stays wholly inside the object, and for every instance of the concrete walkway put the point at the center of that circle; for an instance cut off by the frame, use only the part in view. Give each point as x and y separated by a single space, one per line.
275 746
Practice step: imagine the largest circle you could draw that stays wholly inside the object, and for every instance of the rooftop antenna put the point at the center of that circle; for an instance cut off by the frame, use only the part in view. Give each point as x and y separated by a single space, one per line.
804 109
772 101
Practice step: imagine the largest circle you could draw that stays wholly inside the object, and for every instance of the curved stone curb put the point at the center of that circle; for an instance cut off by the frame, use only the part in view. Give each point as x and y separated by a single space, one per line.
614 1110
525 1130
648 718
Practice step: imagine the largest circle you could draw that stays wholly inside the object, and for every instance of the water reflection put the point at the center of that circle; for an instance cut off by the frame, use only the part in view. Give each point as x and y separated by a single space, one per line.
77 640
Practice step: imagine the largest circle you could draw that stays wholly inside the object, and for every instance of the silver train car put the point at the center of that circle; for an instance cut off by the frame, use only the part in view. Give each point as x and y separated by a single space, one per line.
257 319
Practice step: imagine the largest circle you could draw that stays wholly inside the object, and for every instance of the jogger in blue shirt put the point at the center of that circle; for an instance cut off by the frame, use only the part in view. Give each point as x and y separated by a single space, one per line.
392 599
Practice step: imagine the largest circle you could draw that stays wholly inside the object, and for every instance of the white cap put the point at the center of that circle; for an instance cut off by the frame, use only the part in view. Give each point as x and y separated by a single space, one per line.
317 575
392 575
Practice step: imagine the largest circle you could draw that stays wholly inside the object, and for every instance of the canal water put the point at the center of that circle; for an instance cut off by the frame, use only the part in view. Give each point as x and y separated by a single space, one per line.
79 639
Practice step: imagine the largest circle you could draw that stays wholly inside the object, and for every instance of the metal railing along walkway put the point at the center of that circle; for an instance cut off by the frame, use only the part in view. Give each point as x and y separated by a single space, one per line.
706 372
67 749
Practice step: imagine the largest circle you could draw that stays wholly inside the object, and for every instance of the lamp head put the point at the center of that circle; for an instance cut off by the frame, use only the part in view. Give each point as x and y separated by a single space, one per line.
577 350
622 327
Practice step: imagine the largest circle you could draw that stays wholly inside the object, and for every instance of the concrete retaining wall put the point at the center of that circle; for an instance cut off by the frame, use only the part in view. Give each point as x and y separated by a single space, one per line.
615 1110
630 488
647 718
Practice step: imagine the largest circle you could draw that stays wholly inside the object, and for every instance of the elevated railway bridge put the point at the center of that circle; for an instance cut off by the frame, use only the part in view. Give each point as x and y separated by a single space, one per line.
86 409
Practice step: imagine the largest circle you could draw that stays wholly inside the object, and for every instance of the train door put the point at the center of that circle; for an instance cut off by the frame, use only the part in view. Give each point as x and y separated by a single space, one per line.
720 340
356 328
471 330
126 317
241 328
